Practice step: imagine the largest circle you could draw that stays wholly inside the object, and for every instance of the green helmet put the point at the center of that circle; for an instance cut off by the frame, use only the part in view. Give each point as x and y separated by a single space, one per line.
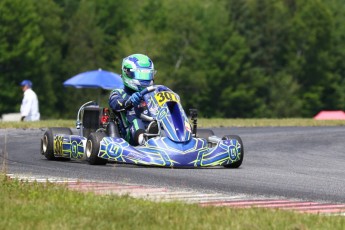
137 71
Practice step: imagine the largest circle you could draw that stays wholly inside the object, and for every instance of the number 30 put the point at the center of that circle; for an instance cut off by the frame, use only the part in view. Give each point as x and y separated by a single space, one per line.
164 96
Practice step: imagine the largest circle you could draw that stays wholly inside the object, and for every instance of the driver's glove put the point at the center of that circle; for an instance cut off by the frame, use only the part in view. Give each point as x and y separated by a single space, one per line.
136 98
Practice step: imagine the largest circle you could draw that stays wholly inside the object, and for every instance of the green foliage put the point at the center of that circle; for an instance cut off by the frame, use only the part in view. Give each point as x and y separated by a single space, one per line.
228 58
49 71
20 47
85 43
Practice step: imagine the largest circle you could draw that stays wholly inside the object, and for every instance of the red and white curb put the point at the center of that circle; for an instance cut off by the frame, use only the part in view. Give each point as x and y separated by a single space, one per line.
203 199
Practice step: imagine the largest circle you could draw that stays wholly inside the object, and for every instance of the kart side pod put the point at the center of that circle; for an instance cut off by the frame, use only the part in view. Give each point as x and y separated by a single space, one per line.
69 146
60 143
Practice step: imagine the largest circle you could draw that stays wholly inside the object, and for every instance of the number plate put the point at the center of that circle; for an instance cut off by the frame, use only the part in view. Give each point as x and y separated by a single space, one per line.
165 96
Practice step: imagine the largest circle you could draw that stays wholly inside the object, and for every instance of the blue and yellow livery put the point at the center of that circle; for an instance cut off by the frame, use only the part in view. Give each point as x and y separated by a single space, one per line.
174 142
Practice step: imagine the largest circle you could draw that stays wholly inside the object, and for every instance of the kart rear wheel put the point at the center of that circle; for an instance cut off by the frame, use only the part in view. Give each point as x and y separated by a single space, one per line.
239 162
204 133
92 148
47 142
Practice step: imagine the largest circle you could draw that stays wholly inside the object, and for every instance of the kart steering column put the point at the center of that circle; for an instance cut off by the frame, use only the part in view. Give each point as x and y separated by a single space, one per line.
194 117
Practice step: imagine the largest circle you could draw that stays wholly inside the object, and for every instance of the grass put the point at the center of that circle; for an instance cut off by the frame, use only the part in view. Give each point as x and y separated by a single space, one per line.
37 124
256 122
48 206
202 122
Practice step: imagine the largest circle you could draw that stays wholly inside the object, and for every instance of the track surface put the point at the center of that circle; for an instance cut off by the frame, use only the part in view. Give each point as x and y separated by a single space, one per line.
305 163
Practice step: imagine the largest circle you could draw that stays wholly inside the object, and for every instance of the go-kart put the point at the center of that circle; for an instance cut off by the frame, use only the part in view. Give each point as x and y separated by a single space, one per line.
171 140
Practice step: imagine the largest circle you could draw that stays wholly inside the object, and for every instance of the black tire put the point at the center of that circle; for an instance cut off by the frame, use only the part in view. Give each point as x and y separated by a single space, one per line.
204 133
239 162
47 142
92 148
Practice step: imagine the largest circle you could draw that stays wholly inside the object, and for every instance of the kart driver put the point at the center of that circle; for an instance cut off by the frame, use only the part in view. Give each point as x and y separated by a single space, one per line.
137 74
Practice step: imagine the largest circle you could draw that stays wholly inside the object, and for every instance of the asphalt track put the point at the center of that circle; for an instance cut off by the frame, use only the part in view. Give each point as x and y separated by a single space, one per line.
306 163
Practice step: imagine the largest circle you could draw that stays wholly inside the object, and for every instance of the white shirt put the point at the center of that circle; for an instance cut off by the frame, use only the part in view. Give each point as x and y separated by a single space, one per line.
29 108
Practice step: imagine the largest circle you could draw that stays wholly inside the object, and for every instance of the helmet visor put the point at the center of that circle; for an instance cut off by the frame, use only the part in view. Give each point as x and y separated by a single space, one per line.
141 74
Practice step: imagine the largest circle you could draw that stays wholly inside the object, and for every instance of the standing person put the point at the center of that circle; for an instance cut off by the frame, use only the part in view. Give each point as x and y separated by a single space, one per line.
137 74
29 110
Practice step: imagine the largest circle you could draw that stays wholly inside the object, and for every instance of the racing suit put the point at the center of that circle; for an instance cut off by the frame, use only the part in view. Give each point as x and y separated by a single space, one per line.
132 126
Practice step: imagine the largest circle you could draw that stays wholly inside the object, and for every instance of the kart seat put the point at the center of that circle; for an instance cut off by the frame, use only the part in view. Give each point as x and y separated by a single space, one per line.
152 128
117 125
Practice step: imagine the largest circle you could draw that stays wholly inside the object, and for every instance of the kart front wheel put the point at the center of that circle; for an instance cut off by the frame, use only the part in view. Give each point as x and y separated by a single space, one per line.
47 142
240 153
92 148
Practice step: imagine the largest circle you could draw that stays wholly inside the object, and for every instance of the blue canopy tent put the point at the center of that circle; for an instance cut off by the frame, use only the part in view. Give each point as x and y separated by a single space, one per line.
95 79
100 79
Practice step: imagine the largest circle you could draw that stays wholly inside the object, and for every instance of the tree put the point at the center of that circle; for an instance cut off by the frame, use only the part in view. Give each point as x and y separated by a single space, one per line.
270 87
308 54
84 49
228 58
48 74
21 48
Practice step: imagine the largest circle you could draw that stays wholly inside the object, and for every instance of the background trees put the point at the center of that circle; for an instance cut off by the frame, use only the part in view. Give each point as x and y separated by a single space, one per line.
228 58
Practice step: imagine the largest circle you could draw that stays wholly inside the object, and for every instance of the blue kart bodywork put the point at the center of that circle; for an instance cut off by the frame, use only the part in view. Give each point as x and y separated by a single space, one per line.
174 143
164 152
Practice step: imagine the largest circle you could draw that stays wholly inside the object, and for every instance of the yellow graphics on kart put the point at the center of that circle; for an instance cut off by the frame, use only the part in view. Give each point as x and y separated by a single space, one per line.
58 141
69 146
165 96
